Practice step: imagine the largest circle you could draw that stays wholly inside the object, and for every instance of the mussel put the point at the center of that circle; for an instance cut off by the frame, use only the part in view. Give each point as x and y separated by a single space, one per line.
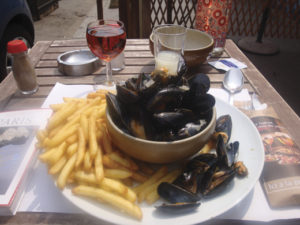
160 107
224 127
205 175
166 100
174 119
179 199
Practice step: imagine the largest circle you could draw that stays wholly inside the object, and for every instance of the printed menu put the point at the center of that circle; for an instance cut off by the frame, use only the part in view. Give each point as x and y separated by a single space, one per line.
17 152
281 175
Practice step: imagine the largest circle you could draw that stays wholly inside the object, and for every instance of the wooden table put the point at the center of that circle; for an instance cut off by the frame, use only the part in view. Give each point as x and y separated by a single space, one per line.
138 59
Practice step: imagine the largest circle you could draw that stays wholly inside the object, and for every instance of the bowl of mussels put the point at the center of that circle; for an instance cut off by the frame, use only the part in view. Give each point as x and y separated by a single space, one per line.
159 118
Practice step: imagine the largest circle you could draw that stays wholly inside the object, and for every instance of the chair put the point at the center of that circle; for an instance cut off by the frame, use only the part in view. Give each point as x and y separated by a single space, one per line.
140 16
99 9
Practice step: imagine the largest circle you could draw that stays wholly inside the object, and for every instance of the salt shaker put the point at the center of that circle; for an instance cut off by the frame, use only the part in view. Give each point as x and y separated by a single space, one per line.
22 68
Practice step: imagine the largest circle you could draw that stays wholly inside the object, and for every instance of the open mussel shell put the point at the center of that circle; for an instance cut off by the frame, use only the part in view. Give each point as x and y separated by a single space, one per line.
220 181
167 99
174 194
126 95
114 109
178 207
180 200
224 125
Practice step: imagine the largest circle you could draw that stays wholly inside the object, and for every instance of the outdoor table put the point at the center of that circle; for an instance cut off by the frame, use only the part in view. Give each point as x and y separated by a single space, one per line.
138 58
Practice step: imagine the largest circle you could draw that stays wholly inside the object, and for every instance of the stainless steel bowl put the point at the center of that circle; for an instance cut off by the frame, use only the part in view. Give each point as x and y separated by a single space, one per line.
78 62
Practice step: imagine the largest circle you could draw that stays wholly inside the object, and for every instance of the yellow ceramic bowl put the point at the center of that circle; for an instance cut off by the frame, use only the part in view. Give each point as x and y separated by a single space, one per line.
198 45
160 152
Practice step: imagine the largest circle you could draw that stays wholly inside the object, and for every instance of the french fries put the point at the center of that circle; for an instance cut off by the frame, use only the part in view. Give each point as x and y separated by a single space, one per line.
79 151
111 198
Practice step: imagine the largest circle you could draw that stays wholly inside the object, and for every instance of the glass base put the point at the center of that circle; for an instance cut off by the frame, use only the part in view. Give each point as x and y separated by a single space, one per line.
218 51
30 92
109 83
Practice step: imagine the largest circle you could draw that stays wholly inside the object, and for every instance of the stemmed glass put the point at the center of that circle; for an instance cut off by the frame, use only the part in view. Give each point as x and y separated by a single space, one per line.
106 39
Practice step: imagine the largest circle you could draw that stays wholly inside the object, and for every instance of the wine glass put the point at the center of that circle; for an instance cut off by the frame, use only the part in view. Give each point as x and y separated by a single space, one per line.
106 39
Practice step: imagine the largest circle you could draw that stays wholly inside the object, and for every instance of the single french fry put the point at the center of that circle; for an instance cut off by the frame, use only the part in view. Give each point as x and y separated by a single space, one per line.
53 156
117 157
99 134
117 173
109 163
138 177
71 179
85 177
71 149
56 168
162 171
66 171
93 146
106 143
95 95
110 198
99 166
146 169
44 157
119 188
61 115
60 136
71 99
170 177
101 111
87 164
81 147
41 135
87 106
133 165
207 147
127 181
57 107
54 131
85 125
72 139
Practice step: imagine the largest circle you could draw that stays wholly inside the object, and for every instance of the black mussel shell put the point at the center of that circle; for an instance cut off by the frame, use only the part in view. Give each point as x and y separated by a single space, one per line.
131 84
183 207
232 152
207 179
203 104
224 124
167 99
114 107
190 129
221 152
220 180
175 119
208 158
199 84
126 95
175 194
147 87
188 180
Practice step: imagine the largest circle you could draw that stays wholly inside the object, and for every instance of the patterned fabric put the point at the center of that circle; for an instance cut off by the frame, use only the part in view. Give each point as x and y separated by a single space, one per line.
212 16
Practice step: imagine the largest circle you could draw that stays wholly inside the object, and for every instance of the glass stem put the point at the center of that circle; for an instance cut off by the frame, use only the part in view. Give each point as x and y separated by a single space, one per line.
231 98
108 73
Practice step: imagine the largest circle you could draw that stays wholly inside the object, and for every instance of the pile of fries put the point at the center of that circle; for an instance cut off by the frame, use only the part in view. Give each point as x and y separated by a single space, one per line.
79 152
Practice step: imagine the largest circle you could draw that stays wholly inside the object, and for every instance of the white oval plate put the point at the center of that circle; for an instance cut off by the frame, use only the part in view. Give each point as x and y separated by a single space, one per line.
251 152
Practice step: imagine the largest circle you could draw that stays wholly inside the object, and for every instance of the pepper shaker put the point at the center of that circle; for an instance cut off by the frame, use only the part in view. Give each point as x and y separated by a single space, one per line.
22 68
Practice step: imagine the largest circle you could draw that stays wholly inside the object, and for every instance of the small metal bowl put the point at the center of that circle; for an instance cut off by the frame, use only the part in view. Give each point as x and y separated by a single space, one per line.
78 62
